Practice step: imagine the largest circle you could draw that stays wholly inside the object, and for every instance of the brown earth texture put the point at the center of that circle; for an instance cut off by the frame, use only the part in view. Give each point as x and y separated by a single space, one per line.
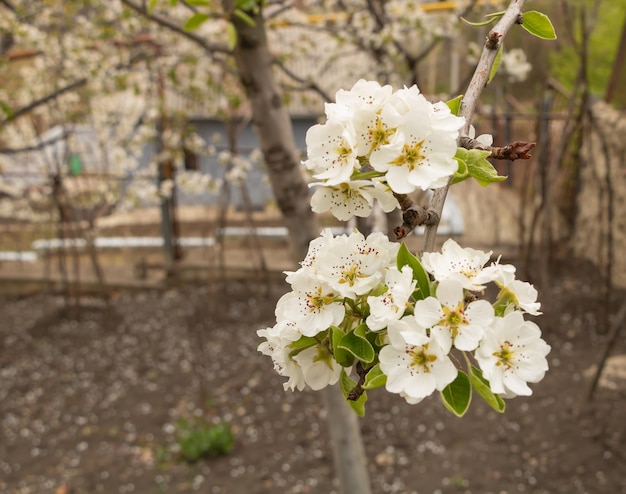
92 393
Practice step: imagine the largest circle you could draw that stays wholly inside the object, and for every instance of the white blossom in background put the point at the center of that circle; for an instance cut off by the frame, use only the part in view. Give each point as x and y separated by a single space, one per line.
515 65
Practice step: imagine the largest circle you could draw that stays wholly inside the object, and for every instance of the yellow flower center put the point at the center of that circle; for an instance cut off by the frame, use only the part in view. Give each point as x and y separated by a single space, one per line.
379 135
421 358
505 355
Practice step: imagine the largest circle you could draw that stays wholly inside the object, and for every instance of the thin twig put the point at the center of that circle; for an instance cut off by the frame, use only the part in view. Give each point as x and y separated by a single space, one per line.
511 16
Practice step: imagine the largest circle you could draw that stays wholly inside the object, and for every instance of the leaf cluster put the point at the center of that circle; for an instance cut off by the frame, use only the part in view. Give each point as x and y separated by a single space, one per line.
197 441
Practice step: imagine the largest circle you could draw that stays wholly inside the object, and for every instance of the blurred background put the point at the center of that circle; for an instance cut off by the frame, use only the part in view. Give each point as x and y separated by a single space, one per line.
140 235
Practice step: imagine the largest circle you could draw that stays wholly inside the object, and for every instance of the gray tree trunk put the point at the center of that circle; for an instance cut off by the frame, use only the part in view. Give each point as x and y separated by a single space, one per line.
272 124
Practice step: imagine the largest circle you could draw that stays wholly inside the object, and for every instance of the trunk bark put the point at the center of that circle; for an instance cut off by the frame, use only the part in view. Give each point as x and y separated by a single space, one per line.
272 124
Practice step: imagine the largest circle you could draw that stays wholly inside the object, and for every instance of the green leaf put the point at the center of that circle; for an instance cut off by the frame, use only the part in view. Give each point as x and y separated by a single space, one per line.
244 17
405 258
462 173
151 6
231 33
478 166
6 109
173 3
496 64
347 384
343 357
455 104
302 344
538 24
457 395
195 21
374 378
358 346
479 24
481 385
249 5
198 3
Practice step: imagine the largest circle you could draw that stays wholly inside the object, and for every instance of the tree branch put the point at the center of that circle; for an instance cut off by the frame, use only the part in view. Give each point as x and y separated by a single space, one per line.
42 101
511 16
518 150
166 23
413 215
304 83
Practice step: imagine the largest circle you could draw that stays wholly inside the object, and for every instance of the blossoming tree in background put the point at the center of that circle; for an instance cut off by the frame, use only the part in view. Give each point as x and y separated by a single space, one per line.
365 312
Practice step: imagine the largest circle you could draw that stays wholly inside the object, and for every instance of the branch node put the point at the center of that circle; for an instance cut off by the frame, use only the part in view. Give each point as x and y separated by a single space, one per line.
493 40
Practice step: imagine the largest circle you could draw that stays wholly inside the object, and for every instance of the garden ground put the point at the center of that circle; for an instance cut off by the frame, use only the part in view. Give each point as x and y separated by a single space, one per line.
92 392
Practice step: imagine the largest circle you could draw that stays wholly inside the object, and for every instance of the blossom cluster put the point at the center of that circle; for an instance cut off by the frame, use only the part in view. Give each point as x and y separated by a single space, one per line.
359 303
376 142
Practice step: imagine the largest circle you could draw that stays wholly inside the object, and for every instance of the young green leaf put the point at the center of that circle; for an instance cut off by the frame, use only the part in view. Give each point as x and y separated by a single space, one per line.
479 24
478 166
231 33
455 104
347 384
6 109
198 3
151 6
358 346
195 21
249 5
301 344
481 385
538 24
343 357
462 173
457 395
496 64
405 258
374 378
244 17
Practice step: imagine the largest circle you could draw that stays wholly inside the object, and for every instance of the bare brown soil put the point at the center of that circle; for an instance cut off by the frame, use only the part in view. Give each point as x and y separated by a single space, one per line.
91 392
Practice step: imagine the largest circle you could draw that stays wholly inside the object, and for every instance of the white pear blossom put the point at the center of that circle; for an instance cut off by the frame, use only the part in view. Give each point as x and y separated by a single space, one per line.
414 363
450 320
521 294
354 265
390 306
513 354
331 149
354 198
463 264
277 346
312 305
364 95
319 369
485 139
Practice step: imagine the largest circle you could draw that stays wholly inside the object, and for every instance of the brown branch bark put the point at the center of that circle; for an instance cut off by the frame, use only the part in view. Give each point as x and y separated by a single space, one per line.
42 101
511 16
518 150
413 215
172 26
